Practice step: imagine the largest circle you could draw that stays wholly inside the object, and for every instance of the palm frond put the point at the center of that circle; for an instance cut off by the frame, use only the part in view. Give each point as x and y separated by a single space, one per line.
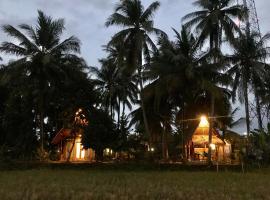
118 19
10 48
10 30
72 44
149 12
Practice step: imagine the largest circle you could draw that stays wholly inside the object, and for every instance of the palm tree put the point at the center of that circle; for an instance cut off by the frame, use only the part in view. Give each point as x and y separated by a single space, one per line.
138 25
42 56
176 65
126 88
216 17
106 81
265 93
116 89
159 125
248 67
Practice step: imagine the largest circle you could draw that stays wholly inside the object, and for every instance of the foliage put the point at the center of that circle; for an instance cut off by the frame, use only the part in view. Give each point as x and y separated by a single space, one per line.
46 80
138 25
248 68
101 132
260 141
215 18
146 82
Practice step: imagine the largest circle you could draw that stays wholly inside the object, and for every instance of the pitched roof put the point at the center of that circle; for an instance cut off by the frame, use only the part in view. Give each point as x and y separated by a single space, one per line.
62 134
201 134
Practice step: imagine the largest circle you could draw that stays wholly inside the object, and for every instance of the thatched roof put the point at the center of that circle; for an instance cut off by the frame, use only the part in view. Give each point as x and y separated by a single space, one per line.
201 134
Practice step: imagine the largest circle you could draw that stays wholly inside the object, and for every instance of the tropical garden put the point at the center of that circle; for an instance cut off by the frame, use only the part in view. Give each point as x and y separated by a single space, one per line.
148 90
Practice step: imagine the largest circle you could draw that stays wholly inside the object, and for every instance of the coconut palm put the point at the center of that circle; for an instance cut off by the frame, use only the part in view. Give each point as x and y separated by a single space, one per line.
176 65
138 26
116 89
105 81
265 93
158 119
42 56
248 67
215 18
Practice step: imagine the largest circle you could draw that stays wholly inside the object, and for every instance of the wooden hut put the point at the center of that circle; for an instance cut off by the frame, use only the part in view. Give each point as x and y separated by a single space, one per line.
197 145
69 144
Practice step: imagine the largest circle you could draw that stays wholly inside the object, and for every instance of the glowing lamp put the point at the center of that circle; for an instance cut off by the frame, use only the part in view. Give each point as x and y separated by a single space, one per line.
213 146
204 122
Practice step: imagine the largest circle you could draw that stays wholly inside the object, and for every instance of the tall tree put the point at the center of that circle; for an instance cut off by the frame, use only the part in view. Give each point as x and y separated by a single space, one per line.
248 67
176 65
138 25
116 89
42 57
215 18
100 133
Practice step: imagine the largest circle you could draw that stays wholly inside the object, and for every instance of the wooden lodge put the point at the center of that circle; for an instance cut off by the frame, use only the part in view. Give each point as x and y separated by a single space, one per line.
69 144
196 148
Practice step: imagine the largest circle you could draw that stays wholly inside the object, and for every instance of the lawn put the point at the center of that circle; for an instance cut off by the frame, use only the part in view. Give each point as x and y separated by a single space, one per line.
132 184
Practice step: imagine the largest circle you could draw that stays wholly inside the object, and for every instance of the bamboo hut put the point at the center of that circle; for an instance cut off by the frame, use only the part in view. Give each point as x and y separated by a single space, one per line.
70 146
196 148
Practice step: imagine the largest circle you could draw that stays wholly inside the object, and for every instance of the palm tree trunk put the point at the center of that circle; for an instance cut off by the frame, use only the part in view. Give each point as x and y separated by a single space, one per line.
110 106
258 109
42 129
123 109
246 106
118 114
165 153
112 116
210 133
146 125
183 139
41 123
216 45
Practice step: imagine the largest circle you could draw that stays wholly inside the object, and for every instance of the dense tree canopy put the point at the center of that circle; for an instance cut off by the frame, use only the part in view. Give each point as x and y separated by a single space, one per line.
147 93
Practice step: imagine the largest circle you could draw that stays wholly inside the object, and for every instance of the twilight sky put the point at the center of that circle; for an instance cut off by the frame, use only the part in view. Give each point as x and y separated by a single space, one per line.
85 18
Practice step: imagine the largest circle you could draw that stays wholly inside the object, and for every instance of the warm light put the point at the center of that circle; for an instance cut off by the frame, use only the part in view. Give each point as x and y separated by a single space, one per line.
204 122
152 149
82 154
213 146
78 150
78 111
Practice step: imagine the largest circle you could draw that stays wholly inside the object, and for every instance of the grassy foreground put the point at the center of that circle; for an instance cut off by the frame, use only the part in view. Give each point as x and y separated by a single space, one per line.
117 184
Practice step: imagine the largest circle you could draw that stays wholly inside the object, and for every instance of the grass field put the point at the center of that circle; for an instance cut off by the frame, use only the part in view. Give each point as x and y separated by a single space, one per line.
128 184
